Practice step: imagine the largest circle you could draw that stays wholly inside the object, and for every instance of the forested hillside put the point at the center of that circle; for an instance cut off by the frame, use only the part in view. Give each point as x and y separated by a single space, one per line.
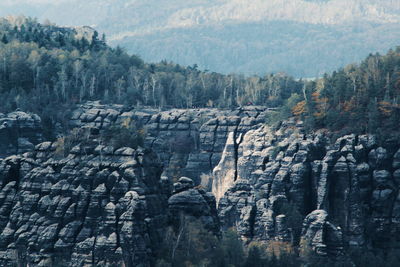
45 66
359 98
301 37
47 69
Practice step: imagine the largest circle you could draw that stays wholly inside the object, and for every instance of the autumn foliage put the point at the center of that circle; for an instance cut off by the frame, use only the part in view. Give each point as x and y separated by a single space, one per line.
358 98
299 109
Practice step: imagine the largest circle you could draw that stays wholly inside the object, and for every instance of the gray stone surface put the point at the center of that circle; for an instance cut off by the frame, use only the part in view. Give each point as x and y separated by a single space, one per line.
345 191
104 206
92 209
320 235
189 142
189 201
19 133
82 210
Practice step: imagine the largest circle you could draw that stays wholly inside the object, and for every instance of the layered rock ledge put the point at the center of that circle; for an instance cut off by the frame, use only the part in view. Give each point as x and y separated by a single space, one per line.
90 208
98 206
102 206
189 142
290 186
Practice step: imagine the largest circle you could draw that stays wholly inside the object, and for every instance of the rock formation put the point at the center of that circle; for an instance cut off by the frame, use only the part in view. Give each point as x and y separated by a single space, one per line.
346 191
105 206
321 235
196 202
19 132
96 207
189 142
86 209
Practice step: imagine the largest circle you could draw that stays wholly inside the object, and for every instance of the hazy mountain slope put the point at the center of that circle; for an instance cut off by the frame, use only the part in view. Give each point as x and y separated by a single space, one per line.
180 13
304 38
304 50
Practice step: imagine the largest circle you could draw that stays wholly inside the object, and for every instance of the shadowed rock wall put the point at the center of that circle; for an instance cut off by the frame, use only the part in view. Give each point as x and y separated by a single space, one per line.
96 207
19 132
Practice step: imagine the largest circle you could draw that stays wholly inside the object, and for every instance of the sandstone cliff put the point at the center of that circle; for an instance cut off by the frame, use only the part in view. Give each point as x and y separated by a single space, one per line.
189 142
105 206
96 207
306 189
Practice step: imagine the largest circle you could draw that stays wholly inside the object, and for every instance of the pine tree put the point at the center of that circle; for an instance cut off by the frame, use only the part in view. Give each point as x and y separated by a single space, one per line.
4 39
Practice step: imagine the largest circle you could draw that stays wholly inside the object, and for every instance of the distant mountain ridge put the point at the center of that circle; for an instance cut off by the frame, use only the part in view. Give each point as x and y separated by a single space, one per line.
311 37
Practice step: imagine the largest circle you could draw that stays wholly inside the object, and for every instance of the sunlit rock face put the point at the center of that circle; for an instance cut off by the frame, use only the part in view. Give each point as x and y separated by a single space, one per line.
306 189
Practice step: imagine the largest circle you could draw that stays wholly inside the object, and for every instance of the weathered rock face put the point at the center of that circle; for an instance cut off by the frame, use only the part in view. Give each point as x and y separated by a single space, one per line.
190 201
189 142
106 207
19 132
88 209
321 235
96 207
285 185
100 206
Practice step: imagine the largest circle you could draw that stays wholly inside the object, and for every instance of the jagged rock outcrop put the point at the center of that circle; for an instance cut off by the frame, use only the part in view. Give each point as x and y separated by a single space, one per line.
19 132
321 235
96 207
87 209
332 195
187 200
189 142
104 206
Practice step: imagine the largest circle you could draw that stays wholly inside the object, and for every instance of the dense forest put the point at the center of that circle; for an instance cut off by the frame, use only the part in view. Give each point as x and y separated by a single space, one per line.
360 98
304 38
45 66
47 69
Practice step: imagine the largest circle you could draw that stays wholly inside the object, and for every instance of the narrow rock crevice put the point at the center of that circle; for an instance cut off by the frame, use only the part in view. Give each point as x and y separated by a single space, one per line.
237 140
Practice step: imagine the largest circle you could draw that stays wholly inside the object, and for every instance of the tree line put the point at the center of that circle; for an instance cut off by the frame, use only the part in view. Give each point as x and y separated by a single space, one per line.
359 98
189 244
43 67
48 69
